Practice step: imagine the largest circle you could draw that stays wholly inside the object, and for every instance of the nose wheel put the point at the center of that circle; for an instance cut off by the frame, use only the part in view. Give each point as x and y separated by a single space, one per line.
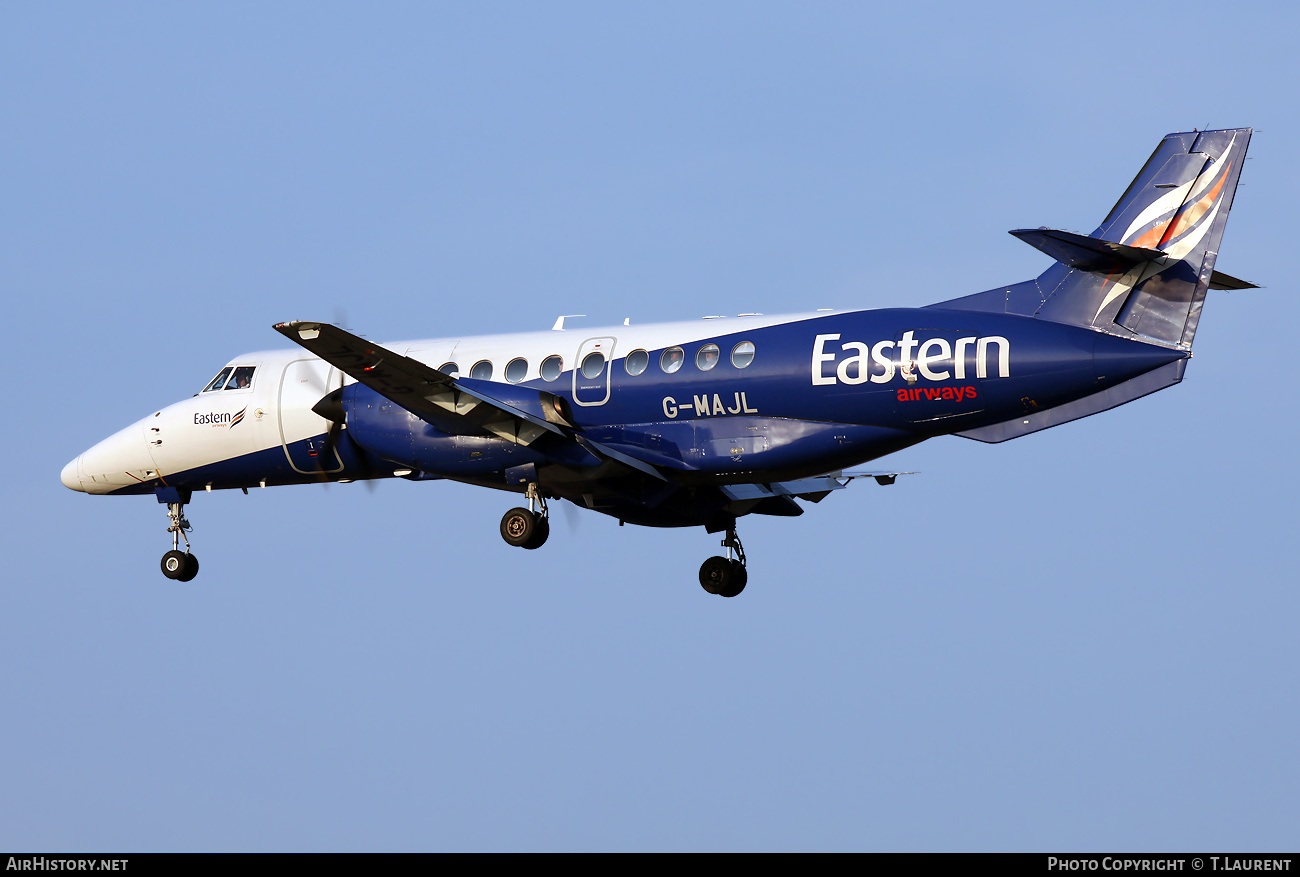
726 576
176 564
527 528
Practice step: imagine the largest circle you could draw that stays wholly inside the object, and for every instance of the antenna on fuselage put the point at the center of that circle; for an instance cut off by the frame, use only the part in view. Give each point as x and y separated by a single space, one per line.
559 321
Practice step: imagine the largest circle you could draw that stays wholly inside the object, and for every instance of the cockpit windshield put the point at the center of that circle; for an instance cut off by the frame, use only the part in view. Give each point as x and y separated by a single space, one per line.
219 381
242 379
232 378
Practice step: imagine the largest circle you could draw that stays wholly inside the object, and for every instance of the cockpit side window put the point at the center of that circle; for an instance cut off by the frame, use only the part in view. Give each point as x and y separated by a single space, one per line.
242 379
218 381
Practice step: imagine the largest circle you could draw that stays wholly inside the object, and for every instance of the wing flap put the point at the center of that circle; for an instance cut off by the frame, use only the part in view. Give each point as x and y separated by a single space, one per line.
812 489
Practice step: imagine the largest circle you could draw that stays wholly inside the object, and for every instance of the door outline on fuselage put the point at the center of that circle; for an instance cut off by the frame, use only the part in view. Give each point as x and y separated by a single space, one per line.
301 412
593 387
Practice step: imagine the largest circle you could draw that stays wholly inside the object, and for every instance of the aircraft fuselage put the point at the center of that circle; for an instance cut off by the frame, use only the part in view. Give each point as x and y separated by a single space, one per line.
780 398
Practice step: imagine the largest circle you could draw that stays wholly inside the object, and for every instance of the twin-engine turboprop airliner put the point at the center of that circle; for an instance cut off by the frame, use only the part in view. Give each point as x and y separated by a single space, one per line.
700 423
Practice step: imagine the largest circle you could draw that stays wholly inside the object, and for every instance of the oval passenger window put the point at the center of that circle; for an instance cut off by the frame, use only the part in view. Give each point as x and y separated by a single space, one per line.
671 360
516 369
593 364
552 367
742 354
482 371
706 357
636 362
450 368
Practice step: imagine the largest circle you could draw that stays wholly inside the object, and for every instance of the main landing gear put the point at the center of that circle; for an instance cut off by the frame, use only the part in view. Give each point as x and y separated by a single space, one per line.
527 528
176 564
726 576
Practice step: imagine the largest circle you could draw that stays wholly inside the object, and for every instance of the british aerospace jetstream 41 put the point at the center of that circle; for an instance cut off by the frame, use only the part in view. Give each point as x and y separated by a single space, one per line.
700 423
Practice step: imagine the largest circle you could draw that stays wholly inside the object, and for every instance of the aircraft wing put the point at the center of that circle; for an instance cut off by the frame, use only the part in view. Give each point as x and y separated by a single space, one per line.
422 389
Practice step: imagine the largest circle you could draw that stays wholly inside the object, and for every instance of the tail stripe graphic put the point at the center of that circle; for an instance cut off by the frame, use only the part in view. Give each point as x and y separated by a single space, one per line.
1188 215
1163 209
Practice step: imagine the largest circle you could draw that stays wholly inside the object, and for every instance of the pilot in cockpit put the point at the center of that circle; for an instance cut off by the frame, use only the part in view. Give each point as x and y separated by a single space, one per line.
242 379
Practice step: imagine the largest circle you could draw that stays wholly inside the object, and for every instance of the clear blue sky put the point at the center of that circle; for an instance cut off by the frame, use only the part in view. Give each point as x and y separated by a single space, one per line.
1083 639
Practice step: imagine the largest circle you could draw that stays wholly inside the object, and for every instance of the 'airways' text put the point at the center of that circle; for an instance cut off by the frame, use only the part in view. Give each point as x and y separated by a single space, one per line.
917 394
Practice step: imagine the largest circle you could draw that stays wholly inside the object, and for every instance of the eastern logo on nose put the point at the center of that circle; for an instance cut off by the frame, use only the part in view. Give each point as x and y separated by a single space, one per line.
216 418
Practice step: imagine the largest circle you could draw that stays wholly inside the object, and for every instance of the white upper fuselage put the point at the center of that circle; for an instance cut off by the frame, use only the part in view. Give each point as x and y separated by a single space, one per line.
275 410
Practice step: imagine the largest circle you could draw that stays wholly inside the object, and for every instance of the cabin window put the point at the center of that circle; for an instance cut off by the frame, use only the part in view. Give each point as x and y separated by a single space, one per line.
706 357
672 359
592 365
450 369
482 370
742 354
516 369
242 379
219 380
636 362
552 368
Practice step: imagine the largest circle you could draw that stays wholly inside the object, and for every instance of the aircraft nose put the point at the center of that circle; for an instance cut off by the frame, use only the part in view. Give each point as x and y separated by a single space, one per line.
71 475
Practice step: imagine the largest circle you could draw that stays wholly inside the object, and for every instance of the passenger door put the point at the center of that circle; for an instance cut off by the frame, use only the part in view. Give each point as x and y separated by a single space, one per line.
302 431
591 387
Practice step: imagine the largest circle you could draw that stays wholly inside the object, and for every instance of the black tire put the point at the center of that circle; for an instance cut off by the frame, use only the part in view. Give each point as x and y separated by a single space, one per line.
739 578
174 564
519 527
540 536
716 574
191 569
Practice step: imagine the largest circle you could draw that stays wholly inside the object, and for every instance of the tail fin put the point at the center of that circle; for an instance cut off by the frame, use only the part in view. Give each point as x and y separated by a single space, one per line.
1145 271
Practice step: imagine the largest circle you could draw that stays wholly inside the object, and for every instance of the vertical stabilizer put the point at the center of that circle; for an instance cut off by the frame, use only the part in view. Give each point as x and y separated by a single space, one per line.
1158 244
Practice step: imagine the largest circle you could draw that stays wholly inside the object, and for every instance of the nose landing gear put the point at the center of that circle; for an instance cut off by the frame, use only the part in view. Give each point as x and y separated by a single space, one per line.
176 564
527 528
726 576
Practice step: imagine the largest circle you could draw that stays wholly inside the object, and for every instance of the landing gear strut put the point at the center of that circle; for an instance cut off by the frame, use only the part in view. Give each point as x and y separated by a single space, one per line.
726 576
527 528
176 564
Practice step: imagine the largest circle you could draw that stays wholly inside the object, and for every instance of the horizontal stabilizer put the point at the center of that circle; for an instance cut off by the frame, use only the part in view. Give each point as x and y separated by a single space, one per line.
1219 280
1107 257
1143 385
1085 253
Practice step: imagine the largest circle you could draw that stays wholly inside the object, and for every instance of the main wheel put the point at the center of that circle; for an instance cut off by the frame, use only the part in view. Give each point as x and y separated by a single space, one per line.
519 527
739 578
191 569
540 535
174 565
716 573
